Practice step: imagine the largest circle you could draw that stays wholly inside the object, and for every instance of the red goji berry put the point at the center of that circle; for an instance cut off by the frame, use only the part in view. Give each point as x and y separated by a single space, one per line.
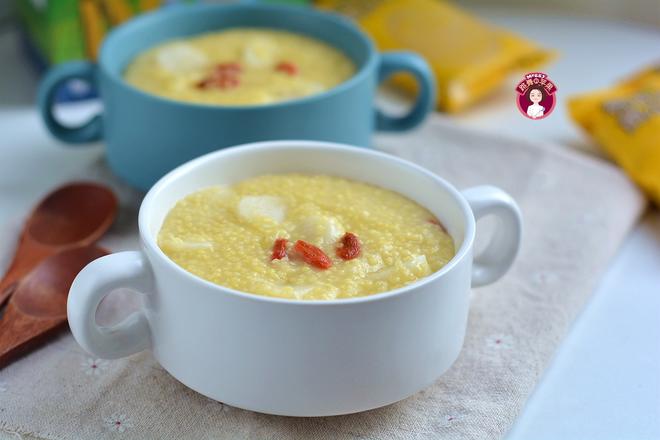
221 81
279 249
313 255
223 76
349 247
287 67
228 81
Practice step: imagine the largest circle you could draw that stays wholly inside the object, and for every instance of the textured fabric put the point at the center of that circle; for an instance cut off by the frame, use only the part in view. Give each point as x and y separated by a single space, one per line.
576 210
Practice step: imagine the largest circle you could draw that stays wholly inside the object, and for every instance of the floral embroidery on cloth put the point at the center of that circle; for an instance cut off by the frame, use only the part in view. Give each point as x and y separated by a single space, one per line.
545 278
448 420
117 422
499 342
94 367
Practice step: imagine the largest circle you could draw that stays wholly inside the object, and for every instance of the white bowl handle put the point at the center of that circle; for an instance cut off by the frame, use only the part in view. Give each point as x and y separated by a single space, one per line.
497 258
93 283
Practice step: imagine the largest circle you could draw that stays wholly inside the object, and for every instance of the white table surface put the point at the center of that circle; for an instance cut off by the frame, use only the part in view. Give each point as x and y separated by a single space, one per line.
604 382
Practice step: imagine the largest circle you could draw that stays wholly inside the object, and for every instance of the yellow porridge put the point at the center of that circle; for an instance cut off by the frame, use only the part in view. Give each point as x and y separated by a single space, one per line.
242 66
304 237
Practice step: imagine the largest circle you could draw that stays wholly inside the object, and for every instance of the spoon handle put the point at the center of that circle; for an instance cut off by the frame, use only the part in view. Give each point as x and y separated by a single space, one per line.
19 333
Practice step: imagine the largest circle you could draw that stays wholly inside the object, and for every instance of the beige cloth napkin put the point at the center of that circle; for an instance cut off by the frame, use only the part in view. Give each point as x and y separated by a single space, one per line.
576 209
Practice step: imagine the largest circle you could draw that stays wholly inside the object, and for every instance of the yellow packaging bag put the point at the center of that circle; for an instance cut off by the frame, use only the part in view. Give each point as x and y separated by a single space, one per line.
469 57
625 121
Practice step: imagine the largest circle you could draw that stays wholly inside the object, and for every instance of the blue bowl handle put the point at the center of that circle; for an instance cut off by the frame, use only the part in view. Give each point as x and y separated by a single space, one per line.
393 62
91 130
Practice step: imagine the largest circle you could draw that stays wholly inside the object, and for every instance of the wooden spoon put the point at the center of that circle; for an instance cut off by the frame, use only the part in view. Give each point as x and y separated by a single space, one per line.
73 215
37 308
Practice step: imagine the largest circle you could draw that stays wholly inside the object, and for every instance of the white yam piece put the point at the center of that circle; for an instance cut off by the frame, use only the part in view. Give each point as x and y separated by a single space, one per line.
320 230
259 52
254 207
180 58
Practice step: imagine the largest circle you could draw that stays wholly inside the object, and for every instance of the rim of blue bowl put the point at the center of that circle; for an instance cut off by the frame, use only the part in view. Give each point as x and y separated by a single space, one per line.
173 10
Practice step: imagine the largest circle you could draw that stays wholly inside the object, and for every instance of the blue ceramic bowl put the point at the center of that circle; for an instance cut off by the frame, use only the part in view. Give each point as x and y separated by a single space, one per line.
146 136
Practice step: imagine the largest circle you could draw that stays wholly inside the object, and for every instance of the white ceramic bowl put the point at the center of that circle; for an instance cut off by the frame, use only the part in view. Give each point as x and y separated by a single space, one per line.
290 357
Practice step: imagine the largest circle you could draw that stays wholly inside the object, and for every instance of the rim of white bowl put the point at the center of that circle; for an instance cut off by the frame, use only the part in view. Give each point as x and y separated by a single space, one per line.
149 240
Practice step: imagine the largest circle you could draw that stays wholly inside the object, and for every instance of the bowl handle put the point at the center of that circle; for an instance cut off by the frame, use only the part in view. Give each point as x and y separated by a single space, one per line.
393 62
91 130
496 259
93 283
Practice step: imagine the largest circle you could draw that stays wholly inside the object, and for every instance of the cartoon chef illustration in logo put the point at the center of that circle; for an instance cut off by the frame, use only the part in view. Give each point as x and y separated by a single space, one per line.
536 95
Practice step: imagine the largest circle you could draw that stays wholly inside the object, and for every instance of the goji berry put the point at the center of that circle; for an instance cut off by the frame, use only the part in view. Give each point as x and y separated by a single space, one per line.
349 247
287 67
279 249
228 81
221 81
223 76
313 255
